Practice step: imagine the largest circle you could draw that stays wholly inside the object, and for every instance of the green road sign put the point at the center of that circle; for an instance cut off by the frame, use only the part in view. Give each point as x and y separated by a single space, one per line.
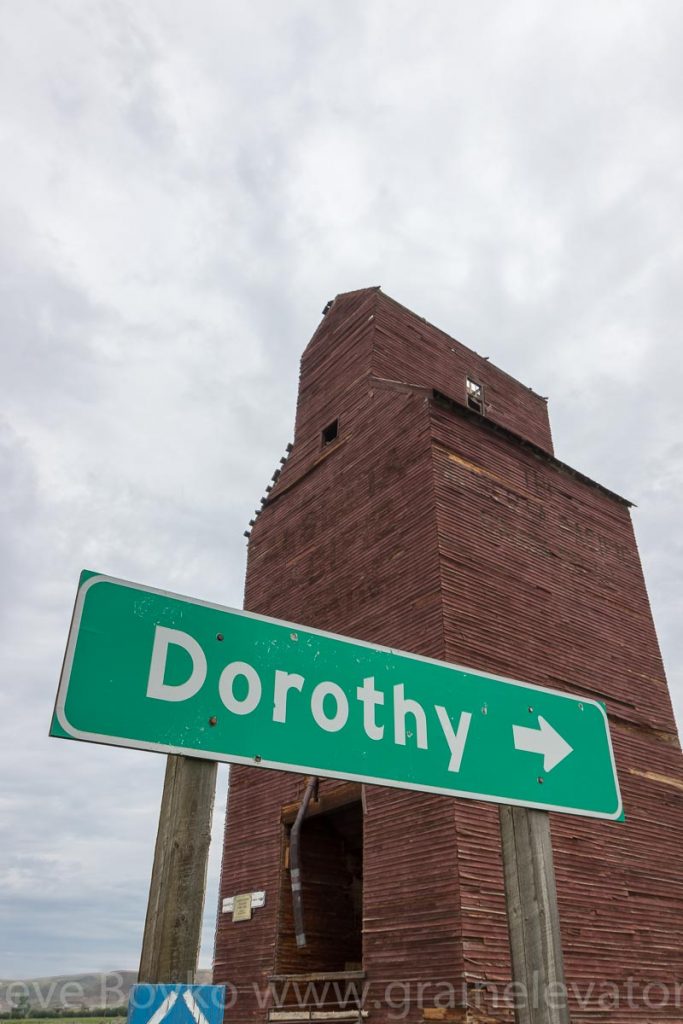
157 671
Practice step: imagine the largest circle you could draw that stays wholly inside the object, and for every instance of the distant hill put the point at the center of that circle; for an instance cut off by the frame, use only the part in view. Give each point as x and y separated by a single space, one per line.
75 991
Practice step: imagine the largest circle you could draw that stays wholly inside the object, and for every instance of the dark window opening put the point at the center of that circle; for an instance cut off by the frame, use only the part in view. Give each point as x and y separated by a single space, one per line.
332 886
330 432
475 395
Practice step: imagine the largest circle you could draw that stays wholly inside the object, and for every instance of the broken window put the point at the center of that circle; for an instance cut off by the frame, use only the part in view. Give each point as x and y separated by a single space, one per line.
475 395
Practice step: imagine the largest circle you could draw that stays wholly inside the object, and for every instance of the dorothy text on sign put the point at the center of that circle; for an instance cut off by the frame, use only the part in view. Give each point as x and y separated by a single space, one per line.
158 671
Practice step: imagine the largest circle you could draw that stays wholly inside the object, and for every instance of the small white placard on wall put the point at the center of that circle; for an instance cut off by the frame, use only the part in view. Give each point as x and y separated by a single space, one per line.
258 899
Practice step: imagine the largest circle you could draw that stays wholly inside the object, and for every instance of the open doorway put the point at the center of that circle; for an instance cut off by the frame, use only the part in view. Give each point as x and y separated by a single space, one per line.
332 888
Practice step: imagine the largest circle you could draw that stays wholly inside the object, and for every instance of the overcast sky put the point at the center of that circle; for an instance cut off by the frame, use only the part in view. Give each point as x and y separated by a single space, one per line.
185 185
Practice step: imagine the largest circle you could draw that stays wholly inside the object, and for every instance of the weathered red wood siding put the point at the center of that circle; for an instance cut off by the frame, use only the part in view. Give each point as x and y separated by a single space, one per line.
407 348
348 542
541 580
426 527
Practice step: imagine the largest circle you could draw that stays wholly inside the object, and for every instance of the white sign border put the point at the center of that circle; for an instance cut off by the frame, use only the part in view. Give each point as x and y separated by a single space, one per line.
208 755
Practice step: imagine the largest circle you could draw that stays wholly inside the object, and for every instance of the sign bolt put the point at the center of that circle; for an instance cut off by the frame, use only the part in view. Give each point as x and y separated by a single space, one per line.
213 720
531 711
540 780
293 636
219 636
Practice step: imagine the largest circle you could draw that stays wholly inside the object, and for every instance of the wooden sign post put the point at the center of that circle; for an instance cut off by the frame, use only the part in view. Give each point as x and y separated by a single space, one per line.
533 917
173 926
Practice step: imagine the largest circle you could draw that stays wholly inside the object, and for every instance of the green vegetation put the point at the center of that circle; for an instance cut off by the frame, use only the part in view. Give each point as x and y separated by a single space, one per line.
111 1016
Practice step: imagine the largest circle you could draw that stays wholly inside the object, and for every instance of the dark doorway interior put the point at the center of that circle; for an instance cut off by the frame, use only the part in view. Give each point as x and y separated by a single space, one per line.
332 881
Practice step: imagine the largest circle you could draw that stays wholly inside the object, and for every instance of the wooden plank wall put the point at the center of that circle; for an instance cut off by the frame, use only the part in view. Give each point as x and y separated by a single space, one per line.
426 528
541 580
407 348
348 543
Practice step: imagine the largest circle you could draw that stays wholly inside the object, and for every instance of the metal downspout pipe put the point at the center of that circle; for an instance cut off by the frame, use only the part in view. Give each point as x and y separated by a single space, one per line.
295 860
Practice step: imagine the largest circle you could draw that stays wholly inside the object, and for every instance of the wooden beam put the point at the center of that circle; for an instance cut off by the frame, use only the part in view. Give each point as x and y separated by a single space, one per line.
170 946
319 976
349 793
533 917
306 1015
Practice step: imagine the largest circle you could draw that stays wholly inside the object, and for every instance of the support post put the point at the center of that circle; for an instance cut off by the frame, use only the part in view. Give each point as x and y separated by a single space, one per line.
533 917
173 926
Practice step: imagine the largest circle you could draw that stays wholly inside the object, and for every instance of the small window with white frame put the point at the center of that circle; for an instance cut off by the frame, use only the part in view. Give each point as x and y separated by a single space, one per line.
475 395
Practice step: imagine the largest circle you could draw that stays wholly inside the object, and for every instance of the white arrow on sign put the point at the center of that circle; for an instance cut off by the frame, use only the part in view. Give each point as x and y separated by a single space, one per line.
544 740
